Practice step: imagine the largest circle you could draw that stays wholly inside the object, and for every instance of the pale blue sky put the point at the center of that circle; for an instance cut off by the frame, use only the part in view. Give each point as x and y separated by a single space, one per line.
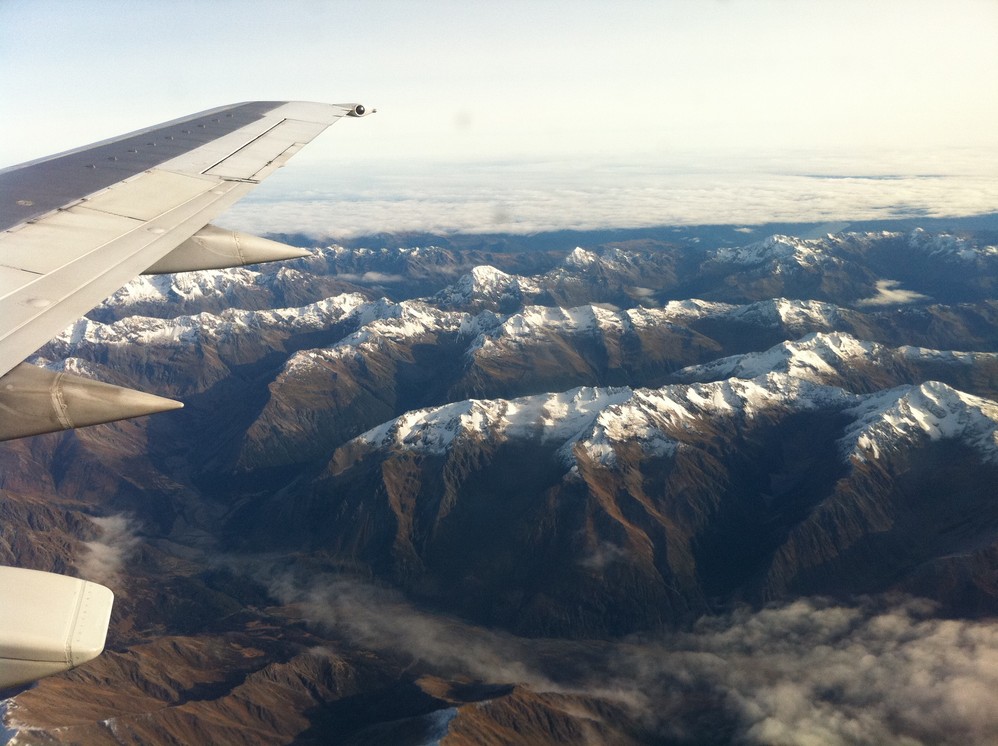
901 84
467 79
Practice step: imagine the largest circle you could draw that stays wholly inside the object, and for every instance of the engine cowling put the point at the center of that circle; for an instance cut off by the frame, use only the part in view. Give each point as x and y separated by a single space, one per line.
48 623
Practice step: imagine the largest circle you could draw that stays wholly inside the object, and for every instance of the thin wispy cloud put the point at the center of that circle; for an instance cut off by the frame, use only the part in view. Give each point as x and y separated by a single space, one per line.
105 557
879 671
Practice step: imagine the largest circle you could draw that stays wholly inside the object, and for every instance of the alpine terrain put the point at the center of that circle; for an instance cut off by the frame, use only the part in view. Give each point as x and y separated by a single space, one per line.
670 488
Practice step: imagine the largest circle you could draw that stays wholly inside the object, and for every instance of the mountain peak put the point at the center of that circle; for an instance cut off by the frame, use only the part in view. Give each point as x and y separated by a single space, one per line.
931 410
779 251
812 357
486 277
579 258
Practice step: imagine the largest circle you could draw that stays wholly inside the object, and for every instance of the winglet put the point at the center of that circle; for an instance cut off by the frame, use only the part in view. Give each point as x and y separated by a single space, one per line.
35 400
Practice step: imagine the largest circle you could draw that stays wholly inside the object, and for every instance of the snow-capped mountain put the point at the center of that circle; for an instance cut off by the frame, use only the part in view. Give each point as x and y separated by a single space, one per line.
946 246
816 357
779 253
933 410
488 287
840 359
657 420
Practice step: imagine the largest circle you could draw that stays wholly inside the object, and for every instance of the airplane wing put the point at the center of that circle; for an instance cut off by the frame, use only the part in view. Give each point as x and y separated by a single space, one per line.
74 228
77 226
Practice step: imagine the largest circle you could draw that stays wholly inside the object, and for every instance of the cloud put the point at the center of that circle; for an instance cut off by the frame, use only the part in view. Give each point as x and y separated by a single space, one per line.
604 554
380 618
105 557
533 197
370 277
889 294
809 672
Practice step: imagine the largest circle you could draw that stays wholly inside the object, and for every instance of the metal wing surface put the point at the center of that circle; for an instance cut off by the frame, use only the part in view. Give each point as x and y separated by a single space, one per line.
77 226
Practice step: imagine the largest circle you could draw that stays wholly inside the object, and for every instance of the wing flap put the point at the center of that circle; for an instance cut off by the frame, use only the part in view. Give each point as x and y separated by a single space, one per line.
42 306
151 194
58 239
251 160
200 158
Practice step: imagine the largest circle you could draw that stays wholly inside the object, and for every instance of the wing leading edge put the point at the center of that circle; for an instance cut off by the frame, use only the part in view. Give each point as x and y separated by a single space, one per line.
79 225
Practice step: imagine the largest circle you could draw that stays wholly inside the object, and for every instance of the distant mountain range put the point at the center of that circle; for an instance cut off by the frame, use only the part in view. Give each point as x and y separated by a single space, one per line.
534 451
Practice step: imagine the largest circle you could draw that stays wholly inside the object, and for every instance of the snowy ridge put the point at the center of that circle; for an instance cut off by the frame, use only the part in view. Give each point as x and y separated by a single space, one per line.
794 315
948 246
387 323
694 308
611 259
932 410
659 420
813 357
819 355
535 322
206 326
778 251
598 418
924 354
181 286
581 319
400 322
560 417
595 421
336 250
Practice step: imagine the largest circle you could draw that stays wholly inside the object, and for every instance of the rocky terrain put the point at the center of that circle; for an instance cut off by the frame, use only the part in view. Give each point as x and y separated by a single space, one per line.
425 495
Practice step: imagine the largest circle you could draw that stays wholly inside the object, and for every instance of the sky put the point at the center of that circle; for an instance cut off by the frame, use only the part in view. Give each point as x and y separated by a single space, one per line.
511 102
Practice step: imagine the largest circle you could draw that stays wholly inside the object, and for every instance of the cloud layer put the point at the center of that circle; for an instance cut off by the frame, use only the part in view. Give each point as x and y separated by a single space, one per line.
532 197
809 672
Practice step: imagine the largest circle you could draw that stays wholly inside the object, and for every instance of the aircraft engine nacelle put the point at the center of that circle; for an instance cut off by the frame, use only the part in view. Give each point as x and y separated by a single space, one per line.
48 623
217 248
37 400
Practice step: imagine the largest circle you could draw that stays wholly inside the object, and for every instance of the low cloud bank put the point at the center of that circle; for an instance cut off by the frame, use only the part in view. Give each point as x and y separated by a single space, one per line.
527 198
881 671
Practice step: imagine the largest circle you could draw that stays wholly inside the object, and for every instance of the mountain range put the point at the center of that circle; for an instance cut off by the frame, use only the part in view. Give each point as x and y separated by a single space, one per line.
431 493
